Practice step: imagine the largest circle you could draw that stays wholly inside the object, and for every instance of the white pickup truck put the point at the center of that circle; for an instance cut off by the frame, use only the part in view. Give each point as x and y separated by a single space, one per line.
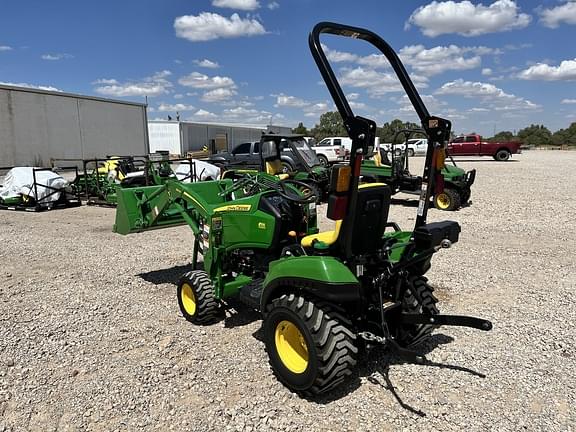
332 149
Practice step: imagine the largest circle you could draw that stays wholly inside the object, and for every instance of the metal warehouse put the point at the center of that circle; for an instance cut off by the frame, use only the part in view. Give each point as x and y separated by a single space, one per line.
37 125
179 138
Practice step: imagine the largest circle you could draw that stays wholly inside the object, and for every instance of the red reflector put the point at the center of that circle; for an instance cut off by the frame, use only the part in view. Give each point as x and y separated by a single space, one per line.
337 207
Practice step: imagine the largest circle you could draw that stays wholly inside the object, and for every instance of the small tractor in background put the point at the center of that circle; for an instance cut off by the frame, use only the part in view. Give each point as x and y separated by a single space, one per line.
453 184
322 295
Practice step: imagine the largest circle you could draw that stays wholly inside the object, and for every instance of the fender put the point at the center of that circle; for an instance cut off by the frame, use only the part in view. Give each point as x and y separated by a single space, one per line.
322 276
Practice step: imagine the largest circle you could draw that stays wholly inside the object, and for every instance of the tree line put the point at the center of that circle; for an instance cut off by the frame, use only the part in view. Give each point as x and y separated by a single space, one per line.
331 124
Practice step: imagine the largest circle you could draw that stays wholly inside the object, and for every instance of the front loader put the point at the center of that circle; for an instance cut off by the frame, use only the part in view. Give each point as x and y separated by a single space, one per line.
321 294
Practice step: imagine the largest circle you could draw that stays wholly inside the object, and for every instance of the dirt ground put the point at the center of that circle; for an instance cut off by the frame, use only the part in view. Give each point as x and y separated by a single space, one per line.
91 338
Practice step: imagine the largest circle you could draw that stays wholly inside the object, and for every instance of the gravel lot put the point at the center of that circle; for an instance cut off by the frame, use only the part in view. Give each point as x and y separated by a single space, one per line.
91 337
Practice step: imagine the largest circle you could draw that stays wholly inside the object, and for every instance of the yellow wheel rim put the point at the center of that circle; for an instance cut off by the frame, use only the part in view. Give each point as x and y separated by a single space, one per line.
443 201
291 347
188 299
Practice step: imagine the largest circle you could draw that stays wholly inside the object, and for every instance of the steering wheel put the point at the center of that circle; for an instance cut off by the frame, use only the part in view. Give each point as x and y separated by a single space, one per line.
291 195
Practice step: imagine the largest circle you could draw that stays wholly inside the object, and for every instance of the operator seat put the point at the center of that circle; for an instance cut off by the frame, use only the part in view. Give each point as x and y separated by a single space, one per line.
274 167
371 219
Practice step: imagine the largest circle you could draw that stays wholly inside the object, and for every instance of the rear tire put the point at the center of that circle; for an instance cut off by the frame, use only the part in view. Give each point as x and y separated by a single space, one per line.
323 160
410 152
447 200
502 155
311 346
417 299
196 299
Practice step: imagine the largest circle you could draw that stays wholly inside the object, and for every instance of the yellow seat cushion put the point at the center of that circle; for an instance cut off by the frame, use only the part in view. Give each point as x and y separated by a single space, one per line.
283 176
274 167
326 237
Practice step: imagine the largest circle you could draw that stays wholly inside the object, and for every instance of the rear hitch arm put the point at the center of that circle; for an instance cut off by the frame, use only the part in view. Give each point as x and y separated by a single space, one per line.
440 320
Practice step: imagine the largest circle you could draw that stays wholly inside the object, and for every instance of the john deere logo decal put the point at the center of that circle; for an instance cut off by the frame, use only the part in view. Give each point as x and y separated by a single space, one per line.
236 207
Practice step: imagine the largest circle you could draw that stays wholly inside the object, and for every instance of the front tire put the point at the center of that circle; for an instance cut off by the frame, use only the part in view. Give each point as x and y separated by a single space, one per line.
323 160
410 152
419 299
311 346
447 200
196 299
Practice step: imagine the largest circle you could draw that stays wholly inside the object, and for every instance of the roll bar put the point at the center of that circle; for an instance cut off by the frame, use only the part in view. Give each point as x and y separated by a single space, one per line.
362 131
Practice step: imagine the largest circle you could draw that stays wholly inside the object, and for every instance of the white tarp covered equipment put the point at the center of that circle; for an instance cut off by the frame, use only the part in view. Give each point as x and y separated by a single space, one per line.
20 181
204 171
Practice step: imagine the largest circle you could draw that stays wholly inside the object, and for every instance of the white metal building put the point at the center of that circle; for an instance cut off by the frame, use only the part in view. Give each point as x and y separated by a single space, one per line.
37 125
178 137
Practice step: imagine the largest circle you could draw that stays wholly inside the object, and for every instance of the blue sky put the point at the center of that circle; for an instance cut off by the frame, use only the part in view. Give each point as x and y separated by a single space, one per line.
491 65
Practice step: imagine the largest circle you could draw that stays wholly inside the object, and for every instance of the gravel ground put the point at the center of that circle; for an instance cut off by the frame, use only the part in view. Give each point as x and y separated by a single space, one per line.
91 338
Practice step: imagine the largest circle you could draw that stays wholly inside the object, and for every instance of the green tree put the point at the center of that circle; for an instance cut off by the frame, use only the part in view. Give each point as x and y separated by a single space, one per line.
502 136
301 130
535 135
331 124
565 136
388 130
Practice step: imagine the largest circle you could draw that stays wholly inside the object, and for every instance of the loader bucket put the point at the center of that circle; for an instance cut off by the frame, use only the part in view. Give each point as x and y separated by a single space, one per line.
145 208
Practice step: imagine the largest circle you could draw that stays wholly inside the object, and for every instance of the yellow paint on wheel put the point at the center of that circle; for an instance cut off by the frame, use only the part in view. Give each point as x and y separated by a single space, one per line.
188 299
442 201
291 347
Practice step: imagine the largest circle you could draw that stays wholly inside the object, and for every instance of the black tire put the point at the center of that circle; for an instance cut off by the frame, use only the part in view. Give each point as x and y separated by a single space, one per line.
196 299
323 160
419 298
410 152
502 155
447 200
326 341
286 168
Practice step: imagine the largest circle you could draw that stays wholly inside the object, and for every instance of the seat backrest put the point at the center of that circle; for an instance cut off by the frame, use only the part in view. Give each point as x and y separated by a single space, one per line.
273 166
371 216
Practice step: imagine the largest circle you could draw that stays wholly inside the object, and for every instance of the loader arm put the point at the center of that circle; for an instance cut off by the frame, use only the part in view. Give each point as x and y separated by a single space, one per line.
171 204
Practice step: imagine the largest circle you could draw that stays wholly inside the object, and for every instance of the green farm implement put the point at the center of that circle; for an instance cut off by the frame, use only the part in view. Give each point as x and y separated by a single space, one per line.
322 295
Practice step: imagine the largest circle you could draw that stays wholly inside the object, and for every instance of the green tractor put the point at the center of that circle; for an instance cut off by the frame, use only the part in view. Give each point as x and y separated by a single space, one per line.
452 184
322 295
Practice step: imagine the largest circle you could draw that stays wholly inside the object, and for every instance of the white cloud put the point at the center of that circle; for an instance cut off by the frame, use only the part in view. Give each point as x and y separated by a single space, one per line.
203 115
486 71
178 96
201 81
54 57
316 109
283 100
248 5
219 95
5 48
555 16
566 71
273 5
154 85
376 83
208 26
338 56
568 101
34 86
207 64
443 58
105 81
163 107
487 94
467 19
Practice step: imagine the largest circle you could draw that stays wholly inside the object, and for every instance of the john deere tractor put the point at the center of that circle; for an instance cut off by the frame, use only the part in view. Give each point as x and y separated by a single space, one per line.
452 187
321 294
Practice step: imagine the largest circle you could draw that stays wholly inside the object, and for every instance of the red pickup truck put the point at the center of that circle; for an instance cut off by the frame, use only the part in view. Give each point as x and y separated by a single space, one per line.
472 145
